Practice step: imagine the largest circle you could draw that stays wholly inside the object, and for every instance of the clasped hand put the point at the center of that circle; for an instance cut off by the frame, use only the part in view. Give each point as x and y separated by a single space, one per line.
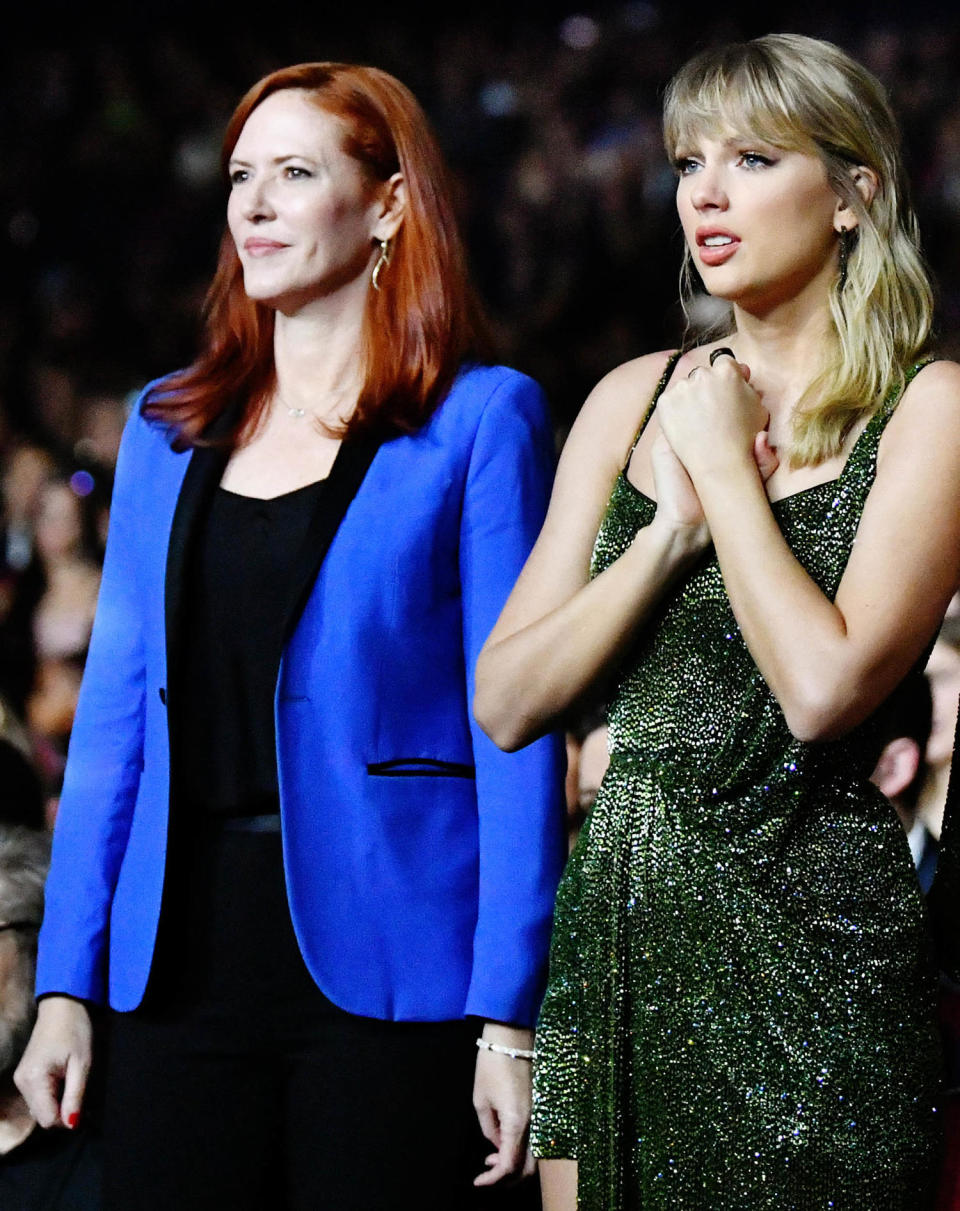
711 421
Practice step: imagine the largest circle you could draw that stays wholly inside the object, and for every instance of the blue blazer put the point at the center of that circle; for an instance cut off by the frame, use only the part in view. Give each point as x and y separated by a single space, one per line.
421 862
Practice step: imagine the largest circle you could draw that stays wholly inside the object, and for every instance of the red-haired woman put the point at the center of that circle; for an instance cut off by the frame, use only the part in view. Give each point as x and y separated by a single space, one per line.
316 895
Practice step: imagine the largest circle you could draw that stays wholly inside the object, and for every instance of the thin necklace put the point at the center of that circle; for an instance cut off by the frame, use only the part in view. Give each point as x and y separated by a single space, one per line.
300 413
296 413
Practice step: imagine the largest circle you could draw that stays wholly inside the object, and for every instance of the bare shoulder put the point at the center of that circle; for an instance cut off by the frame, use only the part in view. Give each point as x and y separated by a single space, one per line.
614 410
595 449
629 387
929 412
935 388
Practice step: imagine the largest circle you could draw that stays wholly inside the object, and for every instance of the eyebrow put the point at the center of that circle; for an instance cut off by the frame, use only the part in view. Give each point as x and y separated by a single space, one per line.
731 141
293 155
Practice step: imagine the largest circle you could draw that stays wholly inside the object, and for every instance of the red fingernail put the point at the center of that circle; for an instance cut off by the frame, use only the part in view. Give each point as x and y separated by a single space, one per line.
72 1119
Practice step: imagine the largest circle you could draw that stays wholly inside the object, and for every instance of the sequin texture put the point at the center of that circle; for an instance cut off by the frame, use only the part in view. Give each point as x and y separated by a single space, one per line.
741 1007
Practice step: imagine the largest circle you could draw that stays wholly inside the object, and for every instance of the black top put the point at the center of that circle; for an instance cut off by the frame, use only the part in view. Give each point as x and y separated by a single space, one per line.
240 582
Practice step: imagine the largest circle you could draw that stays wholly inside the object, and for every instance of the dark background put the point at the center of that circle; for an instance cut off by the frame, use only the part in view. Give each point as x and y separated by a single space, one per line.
111 208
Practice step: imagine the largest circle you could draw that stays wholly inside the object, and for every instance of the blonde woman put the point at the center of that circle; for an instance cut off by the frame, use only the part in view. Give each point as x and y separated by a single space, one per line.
753 542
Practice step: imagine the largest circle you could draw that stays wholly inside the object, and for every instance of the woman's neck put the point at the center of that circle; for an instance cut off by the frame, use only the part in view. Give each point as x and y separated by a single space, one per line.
317 355
784 349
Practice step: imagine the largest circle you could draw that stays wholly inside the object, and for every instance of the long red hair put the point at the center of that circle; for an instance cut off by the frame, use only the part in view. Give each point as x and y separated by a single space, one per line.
418 327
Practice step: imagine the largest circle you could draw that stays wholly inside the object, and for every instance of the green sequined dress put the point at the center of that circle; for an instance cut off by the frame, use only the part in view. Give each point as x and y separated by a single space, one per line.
741 1006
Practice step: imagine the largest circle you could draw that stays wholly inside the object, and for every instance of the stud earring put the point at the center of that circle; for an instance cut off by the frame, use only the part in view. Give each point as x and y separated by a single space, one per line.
382 261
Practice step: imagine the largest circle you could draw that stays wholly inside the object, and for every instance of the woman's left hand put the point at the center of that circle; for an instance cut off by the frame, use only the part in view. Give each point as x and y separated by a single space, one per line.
501 1097
713 417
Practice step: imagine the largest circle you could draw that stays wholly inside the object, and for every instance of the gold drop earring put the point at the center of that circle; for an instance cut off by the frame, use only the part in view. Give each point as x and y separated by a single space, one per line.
382 261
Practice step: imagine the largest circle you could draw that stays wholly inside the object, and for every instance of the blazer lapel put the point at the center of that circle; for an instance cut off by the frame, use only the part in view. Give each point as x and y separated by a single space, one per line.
341 486
203 474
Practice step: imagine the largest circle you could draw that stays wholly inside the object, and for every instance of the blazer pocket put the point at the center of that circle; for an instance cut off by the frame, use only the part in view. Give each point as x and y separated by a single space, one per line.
420 767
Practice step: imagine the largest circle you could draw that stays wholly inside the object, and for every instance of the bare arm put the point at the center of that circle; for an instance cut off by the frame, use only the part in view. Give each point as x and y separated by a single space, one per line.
559 631
830 663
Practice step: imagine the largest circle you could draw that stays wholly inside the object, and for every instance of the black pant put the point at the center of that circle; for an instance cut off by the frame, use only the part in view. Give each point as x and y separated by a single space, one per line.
239 1085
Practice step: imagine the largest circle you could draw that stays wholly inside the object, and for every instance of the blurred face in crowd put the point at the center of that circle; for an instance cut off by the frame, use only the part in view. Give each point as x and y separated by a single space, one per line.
760 221
17 1005
303 214
59 525
100 425
27 469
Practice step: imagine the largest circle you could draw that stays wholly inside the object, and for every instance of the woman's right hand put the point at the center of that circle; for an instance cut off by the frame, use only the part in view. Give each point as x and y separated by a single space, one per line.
677 502
52 1075
678 505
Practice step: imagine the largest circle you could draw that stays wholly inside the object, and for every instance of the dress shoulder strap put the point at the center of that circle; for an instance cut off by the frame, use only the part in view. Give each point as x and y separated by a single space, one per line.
657 392
864 453
888 406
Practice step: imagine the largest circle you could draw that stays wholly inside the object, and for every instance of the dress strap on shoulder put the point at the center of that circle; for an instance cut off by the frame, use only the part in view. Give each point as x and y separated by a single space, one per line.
864 452
657 392
889 405
862 459
896 394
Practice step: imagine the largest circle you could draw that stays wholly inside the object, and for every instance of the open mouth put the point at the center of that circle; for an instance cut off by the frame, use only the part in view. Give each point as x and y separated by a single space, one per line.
715 247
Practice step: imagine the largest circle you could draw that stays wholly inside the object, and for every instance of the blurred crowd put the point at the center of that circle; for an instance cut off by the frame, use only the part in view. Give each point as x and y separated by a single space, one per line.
111 206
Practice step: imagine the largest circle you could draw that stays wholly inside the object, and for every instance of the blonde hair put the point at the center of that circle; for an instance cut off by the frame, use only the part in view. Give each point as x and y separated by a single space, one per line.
804 94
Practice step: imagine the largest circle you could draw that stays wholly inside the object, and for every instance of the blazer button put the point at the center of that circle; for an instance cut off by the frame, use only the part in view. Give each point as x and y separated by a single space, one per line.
163 695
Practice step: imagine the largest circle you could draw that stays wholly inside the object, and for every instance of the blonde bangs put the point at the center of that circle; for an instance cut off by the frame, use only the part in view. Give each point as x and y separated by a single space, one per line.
721 99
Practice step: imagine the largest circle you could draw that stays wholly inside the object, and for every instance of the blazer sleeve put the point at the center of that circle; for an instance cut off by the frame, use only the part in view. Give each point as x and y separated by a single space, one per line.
520 795
104 760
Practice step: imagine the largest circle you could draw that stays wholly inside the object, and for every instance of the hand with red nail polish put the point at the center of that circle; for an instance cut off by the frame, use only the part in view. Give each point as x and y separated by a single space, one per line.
52 1075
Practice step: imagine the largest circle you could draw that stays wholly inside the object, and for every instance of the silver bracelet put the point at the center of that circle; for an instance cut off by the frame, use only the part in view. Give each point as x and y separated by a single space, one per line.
515 1053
